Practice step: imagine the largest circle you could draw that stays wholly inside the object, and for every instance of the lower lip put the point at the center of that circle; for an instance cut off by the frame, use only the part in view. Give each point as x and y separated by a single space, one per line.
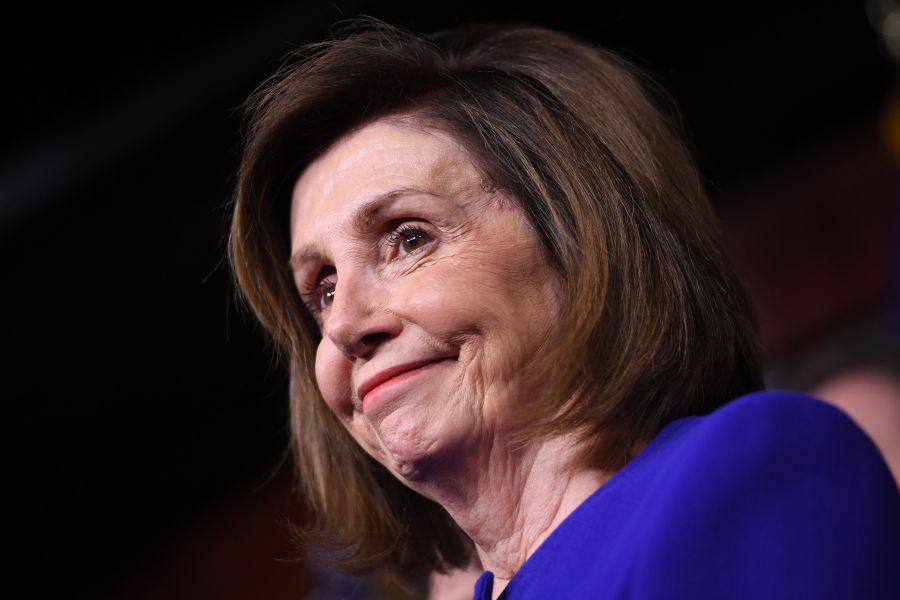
373 396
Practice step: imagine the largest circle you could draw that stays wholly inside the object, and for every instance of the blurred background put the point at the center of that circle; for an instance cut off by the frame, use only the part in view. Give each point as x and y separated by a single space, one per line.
146 431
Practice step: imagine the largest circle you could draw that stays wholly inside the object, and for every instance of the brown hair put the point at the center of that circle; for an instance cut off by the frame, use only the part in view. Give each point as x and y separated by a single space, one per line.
657 324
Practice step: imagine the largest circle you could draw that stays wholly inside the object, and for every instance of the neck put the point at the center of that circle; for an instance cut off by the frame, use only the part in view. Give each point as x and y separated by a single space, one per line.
515 500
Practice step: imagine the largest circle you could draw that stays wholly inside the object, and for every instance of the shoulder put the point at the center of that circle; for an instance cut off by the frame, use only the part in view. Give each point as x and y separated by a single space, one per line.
773 431
776 494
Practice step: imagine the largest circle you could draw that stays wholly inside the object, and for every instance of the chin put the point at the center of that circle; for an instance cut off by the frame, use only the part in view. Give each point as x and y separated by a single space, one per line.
419 448
406 446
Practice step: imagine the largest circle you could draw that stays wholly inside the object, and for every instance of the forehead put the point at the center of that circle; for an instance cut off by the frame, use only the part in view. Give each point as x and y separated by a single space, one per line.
379 158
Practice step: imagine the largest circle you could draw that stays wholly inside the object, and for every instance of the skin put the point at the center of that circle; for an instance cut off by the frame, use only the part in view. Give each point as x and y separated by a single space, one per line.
445 281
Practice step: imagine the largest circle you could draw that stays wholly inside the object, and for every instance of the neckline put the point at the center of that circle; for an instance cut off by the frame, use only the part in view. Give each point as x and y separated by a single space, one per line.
485 583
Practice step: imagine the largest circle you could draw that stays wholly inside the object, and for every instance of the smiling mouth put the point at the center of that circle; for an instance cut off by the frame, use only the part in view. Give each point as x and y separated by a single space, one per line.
395 374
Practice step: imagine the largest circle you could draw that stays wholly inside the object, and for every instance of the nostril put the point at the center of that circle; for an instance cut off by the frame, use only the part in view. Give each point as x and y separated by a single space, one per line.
357 328
371 340
365 345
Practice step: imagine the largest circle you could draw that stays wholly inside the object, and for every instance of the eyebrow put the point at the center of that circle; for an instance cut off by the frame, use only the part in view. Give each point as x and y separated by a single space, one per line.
361 220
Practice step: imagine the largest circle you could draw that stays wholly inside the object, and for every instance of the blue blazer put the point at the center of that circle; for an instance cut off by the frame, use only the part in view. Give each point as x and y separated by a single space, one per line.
774 495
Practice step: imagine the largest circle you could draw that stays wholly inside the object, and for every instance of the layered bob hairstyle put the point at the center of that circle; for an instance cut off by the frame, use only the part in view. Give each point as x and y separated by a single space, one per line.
656 326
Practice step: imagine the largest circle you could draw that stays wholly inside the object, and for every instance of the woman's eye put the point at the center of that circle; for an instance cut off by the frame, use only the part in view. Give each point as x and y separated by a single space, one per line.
321 296
413 241
326 298
408 239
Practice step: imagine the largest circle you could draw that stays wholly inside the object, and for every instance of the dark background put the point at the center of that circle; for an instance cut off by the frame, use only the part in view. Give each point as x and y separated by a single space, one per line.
146 425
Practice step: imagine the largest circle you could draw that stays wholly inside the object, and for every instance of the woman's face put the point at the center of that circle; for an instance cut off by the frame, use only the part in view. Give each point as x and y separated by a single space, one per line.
430 290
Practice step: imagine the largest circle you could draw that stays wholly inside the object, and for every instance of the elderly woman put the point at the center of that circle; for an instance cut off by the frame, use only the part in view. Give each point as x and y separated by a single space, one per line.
513 332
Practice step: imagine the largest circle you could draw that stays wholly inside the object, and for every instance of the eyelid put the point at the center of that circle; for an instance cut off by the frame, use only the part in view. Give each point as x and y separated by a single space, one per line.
405 229
312 291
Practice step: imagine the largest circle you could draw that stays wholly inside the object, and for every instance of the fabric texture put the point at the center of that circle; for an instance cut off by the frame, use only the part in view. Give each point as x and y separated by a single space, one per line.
774 495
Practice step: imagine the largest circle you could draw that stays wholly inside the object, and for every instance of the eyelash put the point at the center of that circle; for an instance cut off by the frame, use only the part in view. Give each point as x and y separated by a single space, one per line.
312 297
404 232
326 281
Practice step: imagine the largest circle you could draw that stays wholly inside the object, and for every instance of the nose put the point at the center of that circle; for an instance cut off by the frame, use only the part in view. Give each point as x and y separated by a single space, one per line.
360 319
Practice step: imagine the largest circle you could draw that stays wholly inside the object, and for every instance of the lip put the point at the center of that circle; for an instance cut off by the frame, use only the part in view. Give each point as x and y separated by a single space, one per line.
393 373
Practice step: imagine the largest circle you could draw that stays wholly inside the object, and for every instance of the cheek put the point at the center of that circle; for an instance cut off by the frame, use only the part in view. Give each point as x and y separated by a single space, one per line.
333 378
490 290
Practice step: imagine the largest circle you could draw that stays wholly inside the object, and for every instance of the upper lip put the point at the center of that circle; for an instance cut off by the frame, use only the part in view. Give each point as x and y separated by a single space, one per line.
378 378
